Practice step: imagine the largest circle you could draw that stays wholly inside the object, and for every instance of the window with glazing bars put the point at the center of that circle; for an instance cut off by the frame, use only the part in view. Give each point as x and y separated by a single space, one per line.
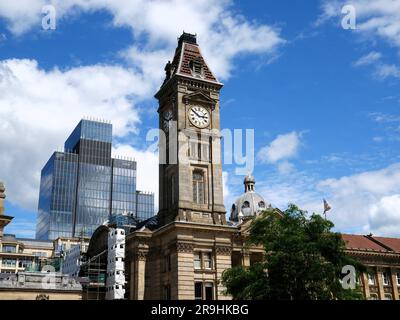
198 187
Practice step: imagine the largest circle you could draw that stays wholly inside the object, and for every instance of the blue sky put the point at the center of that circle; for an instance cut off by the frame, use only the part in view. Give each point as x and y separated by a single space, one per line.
323 101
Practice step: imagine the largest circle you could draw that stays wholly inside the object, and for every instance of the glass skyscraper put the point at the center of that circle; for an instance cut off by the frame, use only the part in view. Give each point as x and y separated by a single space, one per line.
83 185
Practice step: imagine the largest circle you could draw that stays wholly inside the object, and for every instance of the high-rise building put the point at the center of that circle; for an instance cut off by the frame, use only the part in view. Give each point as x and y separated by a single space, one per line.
83 185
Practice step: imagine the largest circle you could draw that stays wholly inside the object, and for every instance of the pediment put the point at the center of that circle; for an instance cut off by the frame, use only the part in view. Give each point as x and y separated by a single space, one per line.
199 96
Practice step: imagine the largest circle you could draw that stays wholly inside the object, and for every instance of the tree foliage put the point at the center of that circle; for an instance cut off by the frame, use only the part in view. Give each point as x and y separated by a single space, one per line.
303 260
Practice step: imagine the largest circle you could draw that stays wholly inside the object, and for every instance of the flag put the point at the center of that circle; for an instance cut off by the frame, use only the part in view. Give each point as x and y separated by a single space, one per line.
327 207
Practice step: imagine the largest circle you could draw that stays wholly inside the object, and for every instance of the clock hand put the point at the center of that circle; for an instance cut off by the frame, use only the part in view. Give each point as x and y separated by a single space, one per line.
196 113
203 116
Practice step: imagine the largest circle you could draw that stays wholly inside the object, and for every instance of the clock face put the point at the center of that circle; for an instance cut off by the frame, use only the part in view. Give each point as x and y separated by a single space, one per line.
199 117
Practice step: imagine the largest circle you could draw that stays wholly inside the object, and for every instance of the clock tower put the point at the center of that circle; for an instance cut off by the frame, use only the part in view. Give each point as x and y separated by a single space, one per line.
182 253
190 170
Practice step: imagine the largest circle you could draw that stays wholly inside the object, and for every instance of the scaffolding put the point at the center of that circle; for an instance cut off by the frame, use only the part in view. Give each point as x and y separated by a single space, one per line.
94 273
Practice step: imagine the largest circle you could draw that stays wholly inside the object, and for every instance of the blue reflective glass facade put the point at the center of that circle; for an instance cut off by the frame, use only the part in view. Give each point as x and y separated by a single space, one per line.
83 185
144 205
89 130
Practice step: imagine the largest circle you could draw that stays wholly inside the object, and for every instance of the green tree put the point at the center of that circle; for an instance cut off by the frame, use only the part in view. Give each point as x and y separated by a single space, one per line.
303 260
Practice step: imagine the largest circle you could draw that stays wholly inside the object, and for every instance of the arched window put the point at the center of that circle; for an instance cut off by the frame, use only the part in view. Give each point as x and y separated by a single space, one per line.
198 187
245 205
261 204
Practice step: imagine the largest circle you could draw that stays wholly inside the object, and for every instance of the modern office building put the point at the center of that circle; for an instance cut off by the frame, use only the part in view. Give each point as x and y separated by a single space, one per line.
82 186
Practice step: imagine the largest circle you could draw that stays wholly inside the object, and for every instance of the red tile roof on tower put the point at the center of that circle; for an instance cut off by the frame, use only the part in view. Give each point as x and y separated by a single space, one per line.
187 52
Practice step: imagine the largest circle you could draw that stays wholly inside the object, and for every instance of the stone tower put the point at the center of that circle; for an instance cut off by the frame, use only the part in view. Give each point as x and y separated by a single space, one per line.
190 172
182 253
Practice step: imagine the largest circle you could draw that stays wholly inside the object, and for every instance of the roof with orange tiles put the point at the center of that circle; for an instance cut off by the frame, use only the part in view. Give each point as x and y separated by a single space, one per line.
360 242
392 243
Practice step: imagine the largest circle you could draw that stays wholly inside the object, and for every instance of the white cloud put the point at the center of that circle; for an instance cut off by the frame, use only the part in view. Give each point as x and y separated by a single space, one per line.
296 187
384 71
361 203
375 18
368 59
38 109
377 139
384 216
223 34
285 167
390 123
384 117
21 15
362 200
285 146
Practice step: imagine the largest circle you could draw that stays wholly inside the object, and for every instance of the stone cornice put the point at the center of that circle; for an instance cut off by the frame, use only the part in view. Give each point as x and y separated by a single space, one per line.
211 228
375 257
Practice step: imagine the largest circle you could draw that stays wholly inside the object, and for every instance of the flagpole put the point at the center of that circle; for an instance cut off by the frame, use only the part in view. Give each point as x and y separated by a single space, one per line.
327 207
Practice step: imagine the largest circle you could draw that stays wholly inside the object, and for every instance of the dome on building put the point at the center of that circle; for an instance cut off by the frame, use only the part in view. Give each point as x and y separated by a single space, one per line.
250 203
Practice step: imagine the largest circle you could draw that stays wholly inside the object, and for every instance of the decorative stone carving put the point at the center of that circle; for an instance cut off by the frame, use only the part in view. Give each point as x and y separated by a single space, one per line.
184 247
141 255
223 250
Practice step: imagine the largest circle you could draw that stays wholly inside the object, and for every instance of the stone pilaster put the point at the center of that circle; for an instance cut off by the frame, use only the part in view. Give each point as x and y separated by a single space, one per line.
364 279
395 290
246 258
185 273
138 275
379 279
223 261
